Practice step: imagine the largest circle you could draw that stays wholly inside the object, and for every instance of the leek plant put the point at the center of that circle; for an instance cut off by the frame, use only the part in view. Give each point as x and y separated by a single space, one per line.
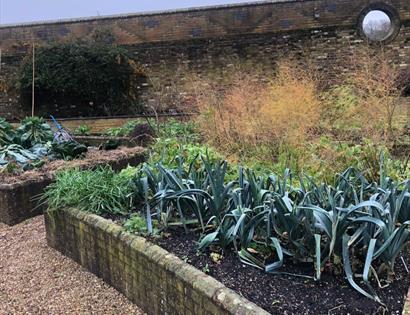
355 225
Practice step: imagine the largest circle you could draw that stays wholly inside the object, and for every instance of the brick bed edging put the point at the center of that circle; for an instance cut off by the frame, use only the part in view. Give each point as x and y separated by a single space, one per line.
154 279
17 202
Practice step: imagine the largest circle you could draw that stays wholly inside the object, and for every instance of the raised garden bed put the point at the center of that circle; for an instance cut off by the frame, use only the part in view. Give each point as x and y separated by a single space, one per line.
260 237
127 261
18 193
159 282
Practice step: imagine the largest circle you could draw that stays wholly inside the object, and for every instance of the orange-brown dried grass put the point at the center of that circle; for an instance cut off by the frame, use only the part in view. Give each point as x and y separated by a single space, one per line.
291 106
282 110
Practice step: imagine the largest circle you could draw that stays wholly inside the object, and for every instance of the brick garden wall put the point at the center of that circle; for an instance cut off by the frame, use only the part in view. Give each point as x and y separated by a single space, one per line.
157 281
171 44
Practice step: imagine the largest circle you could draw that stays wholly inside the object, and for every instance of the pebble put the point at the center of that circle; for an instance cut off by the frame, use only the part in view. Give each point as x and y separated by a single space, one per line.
36 279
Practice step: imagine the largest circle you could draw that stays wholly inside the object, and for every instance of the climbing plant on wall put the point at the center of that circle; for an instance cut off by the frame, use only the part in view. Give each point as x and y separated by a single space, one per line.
97 75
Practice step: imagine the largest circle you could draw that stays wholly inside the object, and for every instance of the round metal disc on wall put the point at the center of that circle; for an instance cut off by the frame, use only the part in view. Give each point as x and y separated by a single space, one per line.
379 23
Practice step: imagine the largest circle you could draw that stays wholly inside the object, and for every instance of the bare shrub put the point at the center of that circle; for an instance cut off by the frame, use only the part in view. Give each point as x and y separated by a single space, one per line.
366 102
283 118
250 111
231 118
290 109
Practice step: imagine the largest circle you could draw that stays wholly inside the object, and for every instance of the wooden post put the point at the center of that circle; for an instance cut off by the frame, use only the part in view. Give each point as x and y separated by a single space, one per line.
33 82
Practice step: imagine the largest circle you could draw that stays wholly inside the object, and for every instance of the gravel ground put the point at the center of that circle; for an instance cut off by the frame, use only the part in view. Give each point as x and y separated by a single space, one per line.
35 279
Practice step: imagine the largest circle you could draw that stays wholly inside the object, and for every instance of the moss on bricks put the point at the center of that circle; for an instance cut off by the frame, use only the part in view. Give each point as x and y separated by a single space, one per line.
139 244
156 254
188 274
114 230
208 285
102 225
127 239
92 220
172 263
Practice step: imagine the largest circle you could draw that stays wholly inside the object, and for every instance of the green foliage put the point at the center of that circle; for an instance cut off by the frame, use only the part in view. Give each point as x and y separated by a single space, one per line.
111 144
322 224
177 140
171 128
25 147
68 150
22 157
6 132
31 144
357 224
101 191
169 150
129 172
185 131
327 157
338 103
323 158
96 73
9 168
83 130
136 224
32 131
124 130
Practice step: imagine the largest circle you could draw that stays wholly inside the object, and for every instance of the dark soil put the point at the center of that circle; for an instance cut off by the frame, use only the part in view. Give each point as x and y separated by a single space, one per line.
282 294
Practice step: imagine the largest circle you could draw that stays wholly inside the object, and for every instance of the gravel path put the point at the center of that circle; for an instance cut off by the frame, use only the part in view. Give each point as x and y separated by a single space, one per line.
35 279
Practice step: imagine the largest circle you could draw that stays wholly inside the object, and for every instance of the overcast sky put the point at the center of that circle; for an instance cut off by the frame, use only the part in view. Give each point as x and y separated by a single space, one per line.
18 11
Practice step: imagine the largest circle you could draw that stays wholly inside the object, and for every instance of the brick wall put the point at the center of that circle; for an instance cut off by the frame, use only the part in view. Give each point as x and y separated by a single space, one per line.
157 281
209 39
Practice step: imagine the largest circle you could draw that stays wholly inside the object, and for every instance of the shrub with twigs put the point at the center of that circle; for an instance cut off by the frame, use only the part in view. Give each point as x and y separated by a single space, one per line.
251 112
369 97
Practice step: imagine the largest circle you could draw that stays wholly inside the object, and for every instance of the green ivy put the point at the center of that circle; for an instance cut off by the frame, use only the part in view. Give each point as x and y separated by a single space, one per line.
98 74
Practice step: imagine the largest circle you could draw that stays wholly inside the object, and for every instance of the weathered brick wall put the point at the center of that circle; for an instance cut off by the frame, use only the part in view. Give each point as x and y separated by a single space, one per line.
157 281
203 40
9 99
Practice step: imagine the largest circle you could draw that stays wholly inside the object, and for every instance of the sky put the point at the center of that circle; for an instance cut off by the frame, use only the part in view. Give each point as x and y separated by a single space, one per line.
20 11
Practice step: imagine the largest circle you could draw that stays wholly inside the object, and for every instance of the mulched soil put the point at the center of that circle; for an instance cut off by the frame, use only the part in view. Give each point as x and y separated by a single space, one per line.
92 157
282 294
35 279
